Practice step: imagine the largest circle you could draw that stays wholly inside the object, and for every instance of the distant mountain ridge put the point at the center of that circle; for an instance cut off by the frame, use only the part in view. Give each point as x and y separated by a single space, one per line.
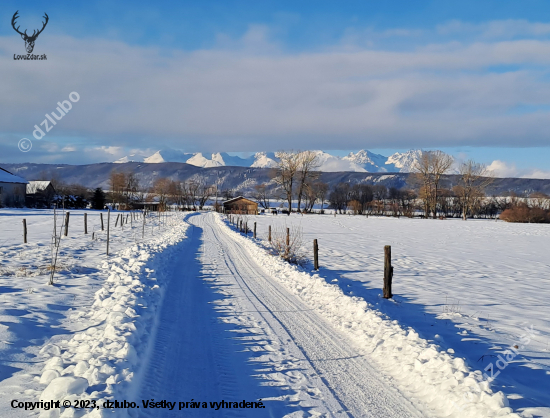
363 161
242 180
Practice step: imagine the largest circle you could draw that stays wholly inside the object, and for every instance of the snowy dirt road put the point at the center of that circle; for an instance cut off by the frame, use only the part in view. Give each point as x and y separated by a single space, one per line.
227 330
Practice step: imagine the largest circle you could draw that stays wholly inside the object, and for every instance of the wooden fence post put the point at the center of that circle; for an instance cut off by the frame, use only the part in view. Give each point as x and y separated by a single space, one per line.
315 255
85 223
101 217
67 223
254 230
25 231
108 227
143 228
117 218
269 234
288 240
388 272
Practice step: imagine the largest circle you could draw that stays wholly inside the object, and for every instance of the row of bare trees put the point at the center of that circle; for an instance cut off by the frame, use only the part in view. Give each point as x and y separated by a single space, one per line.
296 175
428 171
191 194
363 199
125 190
297 178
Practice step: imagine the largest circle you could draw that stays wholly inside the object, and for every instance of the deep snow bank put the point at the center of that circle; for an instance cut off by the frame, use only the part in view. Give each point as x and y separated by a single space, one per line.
106 358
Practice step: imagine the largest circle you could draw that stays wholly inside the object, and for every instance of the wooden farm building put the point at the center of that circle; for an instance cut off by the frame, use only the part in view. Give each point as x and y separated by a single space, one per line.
12 189
40 194
240 205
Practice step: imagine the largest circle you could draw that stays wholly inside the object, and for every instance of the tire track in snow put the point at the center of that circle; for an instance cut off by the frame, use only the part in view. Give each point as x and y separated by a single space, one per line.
357 386
189 359
317 370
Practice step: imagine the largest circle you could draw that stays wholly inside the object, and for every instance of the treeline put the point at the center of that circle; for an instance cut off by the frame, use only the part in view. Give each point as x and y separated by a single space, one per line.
296 179
125 191
379 200
362 199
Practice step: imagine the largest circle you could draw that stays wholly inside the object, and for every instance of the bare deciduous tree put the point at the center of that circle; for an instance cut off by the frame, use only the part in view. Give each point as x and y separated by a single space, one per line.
117 184
132 190
429 169
262 194
285 177
205 193
339 197
308 163
474 178
227 194
322 191
161 190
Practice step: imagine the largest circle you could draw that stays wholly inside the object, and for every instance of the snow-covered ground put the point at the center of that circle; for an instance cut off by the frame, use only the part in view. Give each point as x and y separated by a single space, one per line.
195 313
473 287
82 336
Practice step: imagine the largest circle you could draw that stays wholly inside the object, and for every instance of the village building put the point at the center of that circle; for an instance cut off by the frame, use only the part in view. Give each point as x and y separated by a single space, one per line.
40 194
241 206
12 189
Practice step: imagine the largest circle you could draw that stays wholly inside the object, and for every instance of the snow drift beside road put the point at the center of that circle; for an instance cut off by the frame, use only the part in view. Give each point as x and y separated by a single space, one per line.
105 359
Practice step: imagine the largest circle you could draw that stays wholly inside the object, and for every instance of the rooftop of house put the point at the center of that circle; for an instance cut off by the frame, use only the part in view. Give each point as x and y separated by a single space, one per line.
238 198
37 186
7 177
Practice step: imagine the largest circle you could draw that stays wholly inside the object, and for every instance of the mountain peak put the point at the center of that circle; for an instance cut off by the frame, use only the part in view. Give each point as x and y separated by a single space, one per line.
361 161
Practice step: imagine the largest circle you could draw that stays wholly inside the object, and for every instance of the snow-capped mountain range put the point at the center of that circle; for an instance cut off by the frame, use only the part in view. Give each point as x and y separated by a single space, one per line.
362 161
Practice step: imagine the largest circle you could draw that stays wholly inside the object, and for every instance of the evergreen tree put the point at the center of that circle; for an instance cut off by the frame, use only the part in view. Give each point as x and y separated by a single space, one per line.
98 199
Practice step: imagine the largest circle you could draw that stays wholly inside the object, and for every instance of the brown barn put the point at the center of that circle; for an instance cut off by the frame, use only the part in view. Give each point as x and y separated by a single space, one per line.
240 205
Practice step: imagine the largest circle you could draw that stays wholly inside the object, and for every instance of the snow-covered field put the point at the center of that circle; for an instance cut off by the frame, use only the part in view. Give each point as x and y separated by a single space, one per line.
80 338
474 288
196 312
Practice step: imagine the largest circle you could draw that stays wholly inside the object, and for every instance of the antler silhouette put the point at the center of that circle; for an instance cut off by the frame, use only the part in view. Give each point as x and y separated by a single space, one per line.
13 24
34 33
43 25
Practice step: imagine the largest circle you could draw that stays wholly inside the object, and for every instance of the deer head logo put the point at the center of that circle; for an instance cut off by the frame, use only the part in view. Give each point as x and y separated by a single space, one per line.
29 40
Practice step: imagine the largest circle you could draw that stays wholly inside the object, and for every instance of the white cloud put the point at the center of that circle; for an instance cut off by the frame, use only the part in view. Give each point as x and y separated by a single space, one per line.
504 169
109 150
241 97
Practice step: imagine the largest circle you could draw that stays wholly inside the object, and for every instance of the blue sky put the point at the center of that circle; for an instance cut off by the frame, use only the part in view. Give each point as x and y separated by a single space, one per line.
469 77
